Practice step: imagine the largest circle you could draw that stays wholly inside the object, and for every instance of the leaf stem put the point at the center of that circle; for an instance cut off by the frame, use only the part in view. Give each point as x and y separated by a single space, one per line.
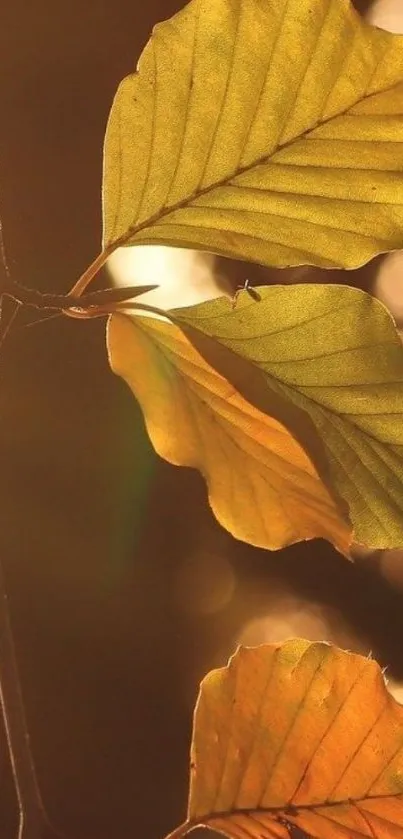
143 307
90 272
181 831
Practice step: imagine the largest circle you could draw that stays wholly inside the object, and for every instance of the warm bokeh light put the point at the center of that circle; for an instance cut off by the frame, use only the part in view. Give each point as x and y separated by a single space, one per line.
294 618
389 285
391 565
204 583
395 688
185 277
387 14
286 620
361 553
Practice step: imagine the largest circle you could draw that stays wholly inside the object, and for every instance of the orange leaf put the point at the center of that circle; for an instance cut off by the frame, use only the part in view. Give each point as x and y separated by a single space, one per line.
262 486
297 734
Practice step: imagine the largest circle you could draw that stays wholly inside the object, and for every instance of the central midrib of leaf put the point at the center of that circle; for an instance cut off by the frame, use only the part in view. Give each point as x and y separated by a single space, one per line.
180 205
289 810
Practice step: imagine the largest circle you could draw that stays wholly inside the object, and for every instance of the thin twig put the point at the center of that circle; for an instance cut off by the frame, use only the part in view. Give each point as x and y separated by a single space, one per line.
44 319
33 821
6 269
63 302
75 303
15 725
4 332
32 813
3 255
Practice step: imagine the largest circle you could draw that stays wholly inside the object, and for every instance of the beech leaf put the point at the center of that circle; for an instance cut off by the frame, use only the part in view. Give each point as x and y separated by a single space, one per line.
333 352
301 735
262 486
266 130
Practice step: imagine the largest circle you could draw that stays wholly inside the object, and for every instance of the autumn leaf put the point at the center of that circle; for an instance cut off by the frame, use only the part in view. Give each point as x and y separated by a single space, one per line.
262 486
333 352
297 734
266 131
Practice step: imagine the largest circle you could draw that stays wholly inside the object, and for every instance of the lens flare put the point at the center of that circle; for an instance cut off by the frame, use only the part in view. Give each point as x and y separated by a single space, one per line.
204 583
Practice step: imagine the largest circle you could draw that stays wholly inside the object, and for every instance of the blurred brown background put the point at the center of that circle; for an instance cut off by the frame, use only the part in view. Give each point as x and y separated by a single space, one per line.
123 589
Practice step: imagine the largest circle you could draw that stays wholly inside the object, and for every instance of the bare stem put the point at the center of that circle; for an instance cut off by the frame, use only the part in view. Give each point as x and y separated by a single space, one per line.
32 814
33 820
63 302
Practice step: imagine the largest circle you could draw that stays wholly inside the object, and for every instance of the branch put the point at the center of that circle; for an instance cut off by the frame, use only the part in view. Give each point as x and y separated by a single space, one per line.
33 818
63 302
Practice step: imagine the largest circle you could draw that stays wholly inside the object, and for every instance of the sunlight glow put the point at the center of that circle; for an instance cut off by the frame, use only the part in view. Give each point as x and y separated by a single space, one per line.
185 277
387 14
294 618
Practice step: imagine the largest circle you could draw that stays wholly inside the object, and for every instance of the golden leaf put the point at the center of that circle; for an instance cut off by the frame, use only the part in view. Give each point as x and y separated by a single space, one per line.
267 130
262 486
297 734
333 352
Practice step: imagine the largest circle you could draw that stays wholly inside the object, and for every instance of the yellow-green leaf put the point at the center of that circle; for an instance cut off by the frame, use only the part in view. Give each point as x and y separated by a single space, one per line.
334 352
268 130
262 486
297 734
